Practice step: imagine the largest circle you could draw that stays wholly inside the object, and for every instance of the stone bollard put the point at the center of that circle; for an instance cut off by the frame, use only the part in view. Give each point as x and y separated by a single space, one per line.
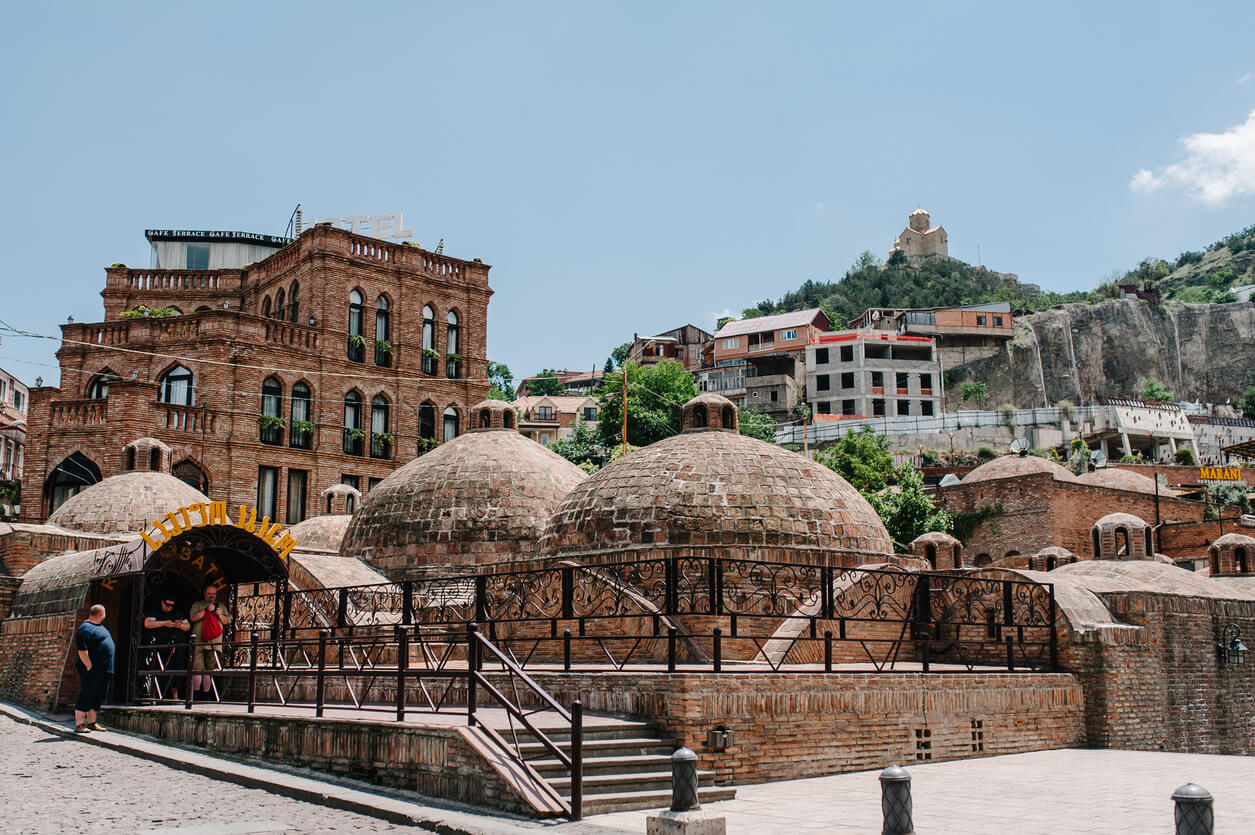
895 801
1194 815
685 817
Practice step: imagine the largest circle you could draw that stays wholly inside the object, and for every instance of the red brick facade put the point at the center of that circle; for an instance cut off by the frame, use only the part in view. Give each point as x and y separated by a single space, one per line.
231 348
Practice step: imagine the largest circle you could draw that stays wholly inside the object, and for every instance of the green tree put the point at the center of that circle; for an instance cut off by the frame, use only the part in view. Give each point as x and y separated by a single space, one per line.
500 382
974 391
861 458
546 383
580 446
758 424
656 395
1155 391
1078 459
619 355
1247 403
897 258
907 511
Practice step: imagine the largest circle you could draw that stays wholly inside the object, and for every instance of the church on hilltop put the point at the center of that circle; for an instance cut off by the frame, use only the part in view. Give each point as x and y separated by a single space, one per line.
919 239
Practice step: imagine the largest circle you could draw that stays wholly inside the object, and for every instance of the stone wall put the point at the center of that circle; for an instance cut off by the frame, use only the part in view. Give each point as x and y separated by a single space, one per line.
446 762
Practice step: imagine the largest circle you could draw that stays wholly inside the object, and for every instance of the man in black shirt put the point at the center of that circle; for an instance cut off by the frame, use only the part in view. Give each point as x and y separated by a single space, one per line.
165 630
94 662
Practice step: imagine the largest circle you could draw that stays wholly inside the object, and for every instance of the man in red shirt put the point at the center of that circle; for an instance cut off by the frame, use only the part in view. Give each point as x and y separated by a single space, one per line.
209 622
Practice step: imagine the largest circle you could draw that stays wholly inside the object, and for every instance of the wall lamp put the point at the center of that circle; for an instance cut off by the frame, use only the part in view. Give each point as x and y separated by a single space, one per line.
1232 650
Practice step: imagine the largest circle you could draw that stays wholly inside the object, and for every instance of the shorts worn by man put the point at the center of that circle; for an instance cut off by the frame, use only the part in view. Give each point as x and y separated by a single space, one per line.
94 663
209 623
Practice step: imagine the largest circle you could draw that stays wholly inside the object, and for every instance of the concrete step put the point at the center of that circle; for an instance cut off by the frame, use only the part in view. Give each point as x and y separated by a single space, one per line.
600 804
619 783
632 764
621 730
636 746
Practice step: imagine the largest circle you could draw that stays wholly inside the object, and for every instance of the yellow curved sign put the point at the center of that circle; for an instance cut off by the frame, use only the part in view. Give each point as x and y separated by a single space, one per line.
203 514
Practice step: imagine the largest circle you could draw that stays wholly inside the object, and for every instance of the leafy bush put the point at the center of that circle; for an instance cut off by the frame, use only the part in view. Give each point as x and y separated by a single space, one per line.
974 391
1184 456
985 454
1155 392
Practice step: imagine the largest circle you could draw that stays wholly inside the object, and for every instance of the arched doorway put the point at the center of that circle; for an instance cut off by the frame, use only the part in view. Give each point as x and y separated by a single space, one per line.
75 473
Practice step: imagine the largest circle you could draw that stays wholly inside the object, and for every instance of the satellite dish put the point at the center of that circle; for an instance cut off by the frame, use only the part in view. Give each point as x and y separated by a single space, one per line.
1098 457
1019 446
948 479
875 315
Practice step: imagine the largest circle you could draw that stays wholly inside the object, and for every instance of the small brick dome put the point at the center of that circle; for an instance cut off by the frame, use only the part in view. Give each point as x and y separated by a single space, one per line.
1012 466
482 498
940 550
128 502
1118 479
719 490
320 533
1122 536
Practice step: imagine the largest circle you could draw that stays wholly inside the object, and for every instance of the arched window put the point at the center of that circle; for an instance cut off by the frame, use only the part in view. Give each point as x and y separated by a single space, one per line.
357 343
1239 560
74 473
128 458
1096 543
294 303
453 354
98 388
280 311
699 416
729 417
427 422
958 556
982 560
353 432
300 434
485 419
188 472
154 459
383 334
1122 542
1050 563
509 418
930 554
1150 543
450 423
271 411
380 439
176 387
1213 557
265 307
429 340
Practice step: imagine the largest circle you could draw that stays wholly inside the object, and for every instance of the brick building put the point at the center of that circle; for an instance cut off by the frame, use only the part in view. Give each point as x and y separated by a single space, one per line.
773 350
547 418
333 359
685 345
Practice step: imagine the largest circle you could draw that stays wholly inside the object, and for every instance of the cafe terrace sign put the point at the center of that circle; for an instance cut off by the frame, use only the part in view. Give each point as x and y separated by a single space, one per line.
130 557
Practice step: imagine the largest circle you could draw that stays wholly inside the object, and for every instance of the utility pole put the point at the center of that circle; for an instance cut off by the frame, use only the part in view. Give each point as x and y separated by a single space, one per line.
623 369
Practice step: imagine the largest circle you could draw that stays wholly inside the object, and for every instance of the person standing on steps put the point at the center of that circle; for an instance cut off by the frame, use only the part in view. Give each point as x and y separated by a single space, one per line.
209 622
94 664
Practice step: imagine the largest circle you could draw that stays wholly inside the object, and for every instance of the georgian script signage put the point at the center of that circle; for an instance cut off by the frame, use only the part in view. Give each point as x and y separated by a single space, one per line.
1220 474
131 557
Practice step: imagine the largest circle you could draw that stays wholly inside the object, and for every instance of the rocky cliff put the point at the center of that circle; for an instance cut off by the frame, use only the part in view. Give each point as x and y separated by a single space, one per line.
1083 353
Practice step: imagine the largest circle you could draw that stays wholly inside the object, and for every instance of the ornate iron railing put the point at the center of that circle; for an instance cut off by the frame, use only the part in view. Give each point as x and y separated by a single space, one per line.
685 610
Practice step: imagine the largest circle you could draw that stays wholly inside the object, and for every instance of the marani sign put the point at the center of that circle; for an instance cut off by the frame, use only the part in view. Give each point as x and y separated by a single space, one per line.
1220 474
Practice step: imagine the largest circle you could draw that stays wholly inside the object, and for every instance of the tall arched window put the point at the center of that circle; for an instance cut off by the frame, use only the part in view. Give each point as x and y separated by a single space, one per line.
280 311
300 429
1122 543
380 438
98 388
357 343
1213 558
271 411
353 432
426 426
188 472
930 554
429 340
450 423
452 348
294 303
177 387
265 307
383 333
1239 560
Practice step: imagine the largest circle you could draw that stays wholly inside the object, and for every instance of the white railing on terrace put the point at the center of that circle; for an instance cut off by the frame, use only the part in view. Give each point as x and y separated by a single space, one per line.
822 431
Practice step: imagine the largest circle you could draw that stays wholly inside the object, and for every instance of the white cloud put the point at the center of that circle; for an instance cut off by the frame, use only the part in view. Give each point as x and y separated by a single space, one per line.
1244 79
1217 166
819 206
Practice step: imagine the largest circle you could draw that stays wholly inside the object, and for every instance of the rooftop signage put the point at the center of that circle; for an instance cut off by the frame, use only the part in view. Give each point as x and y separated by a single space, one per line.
1220 474
197 235
387 227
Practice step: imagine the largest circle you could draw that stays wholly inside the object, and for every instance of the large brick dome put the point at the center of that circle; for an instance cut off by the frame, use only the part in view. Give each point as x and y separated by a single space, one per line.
128 502
482 498
712 488
1012 466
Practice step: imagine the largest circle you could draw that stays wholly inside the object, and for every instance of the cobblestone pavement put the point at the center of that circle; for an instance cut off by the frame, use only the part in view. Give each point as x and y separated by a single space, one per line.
50 784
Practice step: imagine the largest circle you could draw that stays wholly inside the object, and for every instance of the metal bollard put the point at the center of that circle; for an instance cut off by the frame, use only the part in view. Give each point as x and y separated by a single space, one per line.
1194 815
895 801
684 781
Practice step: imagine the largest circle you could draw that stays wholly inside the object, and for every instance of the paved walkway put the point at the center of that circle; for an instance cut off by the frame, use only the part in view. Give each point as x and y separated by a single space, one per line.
1045 793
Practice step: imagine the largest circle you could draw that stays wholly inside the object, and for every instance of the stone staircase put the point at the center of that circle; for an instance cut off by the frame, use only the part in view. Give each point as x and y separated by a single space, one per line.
627 765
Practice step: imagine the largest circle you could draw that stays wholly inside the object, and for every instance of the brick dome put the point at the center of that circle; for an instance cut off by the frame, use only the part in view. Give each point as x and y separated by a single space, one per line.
1012 466
482 498
711 487
123 503
1118 479
320 533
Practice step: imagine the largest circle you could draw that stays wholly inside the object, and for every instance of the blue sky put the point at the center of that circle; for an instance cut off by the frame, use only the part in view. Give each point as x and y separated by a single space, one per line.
624 168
